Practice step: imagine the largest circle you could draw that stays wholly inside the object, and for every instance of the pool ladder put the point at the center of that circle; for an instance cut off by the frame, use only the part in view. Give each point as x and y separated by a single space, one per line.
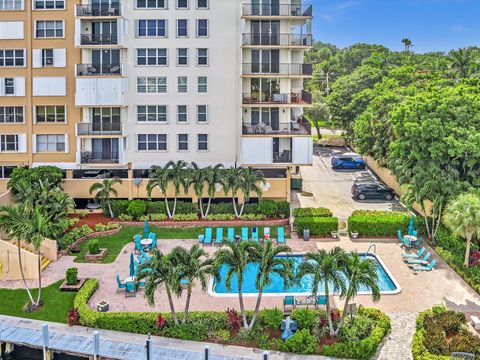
374 248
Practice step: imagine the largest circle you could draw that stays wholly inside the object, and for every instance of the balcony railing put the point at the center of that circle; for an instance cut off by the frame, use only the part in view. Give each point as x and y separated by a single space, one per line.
99 69
277 39
94 39
282 157
303 98
277 10
277 69
98 10
283 128
92 157
99 129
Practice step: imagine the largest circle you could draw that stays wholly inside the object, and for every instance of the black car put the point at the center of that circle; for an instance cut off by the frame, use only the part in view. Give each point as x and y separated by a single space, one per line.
372 190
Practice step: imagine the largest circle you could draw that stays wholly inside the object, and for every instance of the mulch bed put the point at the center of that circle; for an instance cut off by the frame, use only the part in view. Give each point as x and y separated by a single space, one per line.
196 223
91 219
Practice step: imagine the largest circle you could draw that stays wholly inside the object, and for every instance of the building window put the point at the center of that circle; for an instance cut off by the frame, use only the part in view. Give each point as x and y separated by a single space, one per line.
202 4
11 4
151 4
202 57
49 29
9 86
152 113
50 143
182 84
182 4
202 28
182 56
152 57
9 142
182 28
202 142
182 142
202 84
152 142
182 115
49 4
153 28
152 85
202 116
11 114
50 114
47 57
12 57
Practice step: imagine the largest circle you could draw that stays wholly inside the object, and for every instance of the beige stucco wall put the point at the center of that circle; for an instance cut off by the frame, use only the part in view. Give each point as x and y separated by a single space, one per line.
48 249
5 196
10 268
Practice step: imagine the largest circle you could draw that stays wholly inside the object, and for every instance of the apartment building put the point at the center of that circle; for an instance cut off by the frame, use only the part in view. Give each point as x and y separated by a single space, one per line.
124 85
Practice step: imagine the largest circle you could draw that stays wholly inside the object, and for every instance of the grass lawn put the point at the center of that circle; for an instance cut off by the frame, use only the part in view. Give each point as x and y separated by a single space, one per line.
55 308
115 243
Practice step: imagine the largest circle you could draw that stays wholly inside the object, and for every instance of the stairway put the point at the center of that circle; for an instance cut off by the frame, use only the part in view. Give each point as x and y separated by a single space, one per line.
44 262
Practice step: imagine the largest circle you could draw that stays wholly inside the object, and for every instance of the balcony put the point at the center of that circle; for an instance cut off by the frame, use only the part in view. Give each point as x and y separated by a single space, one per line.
96 129
289 10
287 69
277 40
98 10
91 157
282 157
279 99
300 127
99 69
94 39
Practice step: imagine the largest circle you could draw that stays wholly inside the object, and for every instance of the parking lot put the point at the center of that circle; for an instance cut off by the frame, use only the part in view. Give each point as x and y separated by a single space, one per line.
332 188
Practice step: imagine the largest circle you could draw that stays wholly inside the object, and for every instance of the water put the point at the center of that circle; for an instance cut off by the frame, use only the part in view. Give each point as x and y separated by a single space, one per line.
385 283
26 353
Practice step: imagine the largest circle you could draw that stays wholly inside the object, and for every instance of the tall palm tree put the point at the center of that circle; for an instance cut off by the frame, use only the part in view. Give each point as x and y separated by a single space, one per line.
461 62
359 272
407 43
160 271
462 217
232 182
325 266
158 178
193 265
251 181
266 256
104 191
236 256
213 177
197 179
177 176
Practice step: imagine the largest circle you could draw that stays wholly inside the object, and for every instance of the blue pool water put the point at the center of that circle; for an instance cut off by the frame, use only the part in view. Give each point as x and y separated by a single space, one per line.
385 283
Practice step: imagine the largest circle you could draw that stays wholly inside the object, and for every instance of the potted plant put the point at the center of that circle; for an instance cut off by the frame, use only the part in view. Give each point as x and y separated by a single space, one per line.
354 235
94 252
71 275
103 306
334 234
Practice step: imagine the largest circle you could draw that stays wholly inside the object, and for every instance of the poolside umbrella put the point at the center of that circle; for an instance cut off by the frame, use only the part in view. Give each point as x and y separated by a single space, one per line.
132 265
411 226
146 229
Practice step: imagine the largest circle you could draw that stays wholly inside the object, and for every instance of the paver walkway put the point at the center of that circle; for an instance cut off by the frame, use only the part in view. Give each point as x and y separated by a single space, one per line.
398 343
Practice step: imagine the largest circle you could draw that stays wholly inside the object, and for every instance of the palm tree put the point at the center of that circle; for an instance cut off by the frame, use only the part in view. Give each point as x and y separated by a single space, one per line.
266 256
158 178
460 62
327 267
194 266
104 192
160 271
197 179
250 183
359 272
232 182
177 175
407 43
236 256
462 217
213 177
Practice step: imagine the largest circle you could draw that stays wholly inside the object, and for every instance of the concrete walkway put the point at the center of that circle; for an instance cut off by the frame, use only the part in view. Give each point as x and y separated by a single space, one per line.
397 345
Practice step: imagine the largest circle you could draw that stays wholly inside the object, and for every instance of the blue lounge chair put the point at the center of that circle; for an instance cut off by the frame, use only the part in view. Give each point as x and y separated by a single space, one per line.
280 235
145 255
137 237
400 237
255 234
140 258
152 235
417 255
429 267
219 236
120 284
130 289
423 261
208 236
231 233
288 301
322 300
244 234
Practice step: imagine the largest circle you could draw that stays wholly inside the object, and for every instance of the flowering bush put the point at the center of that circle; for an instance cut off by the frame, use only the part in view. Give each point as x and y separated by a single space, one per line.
234 321
475 258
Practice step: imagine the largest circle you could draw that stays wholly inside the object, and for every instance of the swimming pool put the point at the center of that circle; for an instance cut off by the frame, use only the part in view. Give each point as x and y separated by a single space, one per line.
386 281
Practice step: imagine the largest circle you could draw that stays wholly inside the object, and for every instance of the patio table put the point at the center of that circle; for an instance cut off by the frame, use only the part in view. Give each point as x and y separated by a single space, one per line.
411 238
146 242
129 279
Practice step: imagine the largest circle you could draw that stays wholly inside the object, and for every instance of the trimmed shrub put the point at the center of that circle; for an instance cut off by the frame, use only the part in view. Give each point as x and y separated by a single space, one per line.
318 226
283 209
301 342
158 217
251 209
156 207
68 238
93 247
71 275
221 208
253 217
119 207
184 207
271 318
267 208
356 330
144 218
73 221
185 217
220 217
125 217
312 212
380 223
306 319
136 208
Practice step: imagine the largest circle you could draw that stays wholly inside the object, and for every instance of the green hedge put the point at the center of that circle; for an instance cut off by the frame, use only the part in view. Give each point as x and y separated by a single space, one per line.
380 223
318 226
312 212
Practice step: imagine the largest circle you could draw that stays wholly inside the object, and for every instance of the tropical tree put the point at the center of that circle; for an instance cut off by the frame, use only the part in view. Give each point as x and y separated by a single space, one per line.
232 182
177 176
318 113
462 217
197 177
193 265
236 257
158 178
266 257
461 61
104 191
251 181
213 178
157 272
325 266
407 43
360 272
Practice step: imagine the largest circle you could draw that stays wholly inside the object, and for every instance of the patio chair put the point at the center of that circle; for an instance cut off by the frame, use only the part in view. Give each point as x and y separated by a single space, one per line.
419 242
322 300
429 267
145 255
153 245
184 283
288 301
414 256
244 234
423 261
130 289
255 234
208 236
414 233
407 242
231 233
219 236
138 245
280 235
120 284
140 258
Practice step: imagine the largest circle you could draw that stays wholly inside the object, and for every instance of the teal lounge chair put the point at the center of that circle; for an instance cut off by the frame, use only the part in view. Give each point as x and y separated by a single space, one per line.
288 301
231 234
322 300
429 267
208 236
244 234
145 255
121 285
423 261
138 245
280 235
140 258
255 234
219 236
417 255
130 289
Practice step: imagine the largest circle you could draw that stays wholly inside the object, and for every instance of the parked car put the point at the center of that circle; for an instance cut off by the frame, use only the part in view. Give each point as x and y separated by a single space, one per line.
372 190
351 162
97 174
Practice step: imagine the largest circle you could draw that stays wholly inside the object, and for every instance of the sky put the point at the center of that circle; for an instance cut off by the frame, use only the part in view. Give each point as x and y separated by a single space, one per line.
432 25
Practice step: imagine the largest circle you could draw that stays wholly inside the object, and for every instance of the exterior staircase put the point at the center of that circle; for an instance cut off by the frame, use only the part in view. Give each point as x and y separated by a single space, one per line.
44 262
